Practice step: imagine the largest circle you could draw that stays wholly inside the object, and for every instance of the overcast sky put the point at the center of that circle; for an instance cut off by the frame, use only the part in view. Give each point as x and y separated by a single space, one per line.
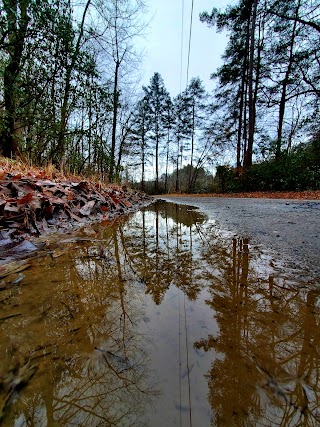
162 43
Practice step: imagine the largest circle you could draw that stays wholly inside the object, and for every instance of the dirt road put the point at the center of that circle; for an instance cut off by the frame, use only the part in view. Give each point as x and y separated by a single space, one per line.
288 227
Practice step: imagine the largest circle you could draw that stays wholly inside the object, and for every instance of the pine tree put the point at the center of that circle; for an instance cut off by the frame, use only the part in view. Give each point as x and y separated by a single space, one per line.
158 98
196 103
139 136
182 130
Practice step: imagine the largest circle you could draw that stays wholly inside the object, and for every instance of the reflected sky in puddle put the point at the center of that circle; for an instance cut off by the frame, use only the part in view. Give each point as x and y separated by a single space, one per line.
160 320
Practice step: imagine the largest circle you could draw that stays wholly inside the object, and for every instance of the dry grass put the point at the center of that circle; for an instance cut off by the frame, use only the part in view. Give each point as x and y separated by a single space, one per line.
18 167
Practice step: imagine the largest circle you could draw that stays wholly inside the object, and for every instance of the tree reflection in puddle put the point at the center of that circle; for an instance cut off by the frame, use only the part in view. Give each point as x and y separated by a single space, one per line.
162 319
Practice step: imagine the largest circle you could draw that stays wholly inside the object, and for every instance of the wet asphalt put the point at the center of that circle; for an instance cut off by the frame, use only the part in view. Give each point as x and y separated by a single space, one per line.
290 228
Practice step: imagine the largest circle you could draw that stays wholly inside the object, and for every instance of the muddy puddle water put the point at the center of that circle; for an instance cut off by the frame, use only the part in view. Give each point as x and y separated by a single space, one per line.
160 320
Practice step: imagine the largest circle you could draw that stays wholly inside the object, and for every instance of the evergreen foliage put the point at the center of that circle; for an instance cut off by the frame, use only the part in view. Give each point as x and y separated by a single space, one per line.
67 96
299 170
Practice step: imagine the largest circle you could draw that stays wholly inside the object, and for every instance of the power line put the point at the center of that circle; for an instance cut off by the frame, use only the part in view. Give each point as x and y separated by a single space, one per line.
187 351
181 47
190 34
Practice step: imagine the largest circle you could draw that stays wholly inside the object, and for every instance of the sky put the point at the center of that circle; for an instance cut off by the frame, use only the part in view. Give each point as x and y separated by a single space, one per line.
162 43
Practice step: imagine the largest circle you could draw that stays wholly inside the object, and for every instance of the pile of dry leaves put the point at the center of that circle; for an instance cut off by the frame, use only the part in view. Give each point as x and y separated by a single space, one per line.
36 202
33 205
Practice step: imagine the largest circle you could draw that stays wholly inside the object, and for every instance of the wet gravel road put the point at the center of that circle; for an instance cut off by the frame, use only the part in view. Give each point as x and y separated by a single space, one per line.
291 228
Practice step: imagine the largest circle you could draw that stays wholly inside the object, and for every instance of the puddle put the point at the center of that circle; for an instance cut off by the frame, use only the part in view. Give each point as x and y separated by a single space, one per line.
160 320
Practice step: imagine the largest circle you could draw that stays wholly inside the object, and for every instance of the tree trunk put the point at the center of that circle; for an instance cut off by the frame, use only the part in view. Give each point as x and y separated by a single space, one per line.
114 121
192 152
177 169
248 154
285 84
142 159
17 29
242 118
156 187
167 163
64 114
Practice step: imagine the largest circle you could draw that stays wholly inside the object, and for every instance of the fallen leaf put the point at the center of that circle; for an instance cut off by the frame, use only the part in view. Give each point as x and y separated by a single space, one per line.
25 199
127 204
35 204
11 208
115 200
73 216
13 267
86 209
17 177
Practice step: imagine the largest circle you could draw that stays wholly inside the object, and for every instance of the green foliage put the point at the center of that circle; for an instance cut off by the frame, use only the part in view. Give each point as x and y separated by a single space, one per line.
268 85
225 180
298 170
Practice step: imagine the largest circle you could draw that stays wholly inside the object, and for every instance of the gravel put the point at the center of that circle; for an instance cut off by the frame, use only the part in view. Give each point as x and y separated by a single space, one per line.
291 228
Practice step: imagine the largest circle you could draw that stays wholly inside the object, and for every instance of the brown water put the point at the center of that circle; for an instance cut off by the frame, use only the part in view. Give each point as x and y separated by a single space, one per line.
162 319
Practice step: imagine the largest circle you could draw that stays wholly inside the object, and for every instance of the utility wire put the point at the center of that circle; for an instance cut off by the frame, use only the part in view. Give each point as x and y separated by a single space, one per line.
187 351
179 332
190 34
184 305
180 364
185 311
181 47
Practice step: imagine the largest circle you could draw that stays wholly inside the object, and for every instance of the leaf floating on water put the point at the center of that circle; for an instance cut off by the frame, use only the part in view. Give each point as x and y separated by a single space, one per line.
58 253
18 279
89 231
13 267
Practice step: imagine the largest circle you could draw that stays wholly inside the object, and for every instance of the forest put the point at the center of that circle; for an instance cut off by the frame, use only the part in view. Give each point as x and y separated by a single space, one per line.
70 96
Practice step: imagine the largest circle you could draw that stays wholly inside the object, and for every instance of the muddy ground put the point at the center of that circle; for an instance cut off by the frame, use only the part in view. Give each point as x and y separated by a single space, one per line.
291 228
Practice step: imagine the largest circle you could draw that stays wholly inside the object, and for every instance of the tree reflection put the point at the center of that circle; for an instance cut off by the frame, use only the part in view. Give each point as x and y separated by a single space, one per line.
167 231
266 352
74 348
92 364
266 366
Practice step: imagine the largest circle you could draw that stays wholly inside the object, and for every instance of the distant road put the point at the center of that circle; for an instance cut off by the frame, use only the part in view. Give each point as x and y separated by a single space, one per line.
289 227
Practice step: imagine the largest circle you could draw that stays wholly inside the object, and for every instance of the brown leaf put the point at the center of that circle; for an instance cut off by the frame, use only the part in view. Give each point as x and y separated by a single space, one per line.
11 208
35 204
127 204
115 200
86 209
15 189
3 174
17 177
45 182
73 216
57 201
13 267
25 199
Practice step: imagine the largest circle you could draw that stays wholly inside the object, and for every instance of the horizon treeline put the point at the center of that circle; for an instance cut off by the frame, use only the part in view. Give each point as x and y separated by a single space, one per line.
69 93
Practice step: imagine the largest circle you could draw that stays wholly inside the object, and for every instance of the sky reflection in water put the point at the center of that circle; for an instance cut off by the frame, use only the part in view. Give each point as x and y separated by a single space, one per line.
162 319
